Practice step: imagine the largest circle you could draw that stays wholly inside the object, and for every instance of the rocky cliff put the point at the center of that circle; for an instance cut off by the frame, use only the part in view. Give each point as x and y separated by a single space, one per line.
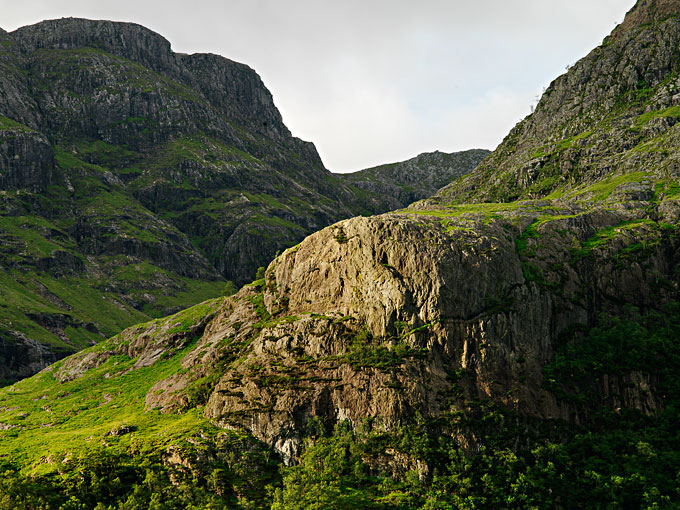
370 317
148 177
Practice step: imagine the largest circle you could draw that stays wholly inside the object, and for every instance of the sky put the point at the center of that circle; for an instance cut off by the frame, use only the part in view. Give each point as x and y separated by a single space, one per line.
375 81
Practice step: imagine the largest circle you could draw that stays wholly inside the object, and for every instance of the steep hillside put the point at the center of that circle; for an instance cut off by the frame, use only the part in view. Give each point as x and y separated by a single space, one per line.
135 181
613 114
517 354
396 185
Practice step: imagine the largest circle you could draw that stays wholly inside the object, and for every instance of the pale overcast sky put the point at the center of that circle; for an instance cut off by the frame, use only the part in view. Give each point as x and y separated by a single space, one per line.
375 81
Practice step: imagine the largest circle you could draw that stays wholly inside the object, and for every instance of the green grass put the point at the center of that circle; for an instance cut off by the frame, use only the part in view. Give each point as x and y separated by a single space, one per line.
105 154
182 321
265 199
25 293
486 211
568 143
37 236
606 235
30 292
106 293
258 220
74 416
105 309
7 123
641 120
670 189
600 191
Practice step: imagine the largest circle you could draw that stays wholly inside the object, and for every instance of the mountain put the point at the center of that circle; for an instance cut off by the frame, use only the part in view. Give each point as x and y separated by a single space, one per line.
396 185
459 353
136 182
611 115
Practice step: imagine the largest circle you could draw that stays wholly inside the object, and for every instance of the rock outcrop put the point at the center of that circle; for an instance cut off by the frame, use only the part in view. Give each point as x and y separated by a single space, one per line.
474 349
372 317
26 159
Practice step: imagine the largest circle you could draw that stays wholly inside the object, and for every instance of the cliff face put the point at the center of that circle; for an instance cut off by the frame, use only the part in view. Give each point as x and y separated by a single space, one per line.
543 320
418 314
149 177
371 317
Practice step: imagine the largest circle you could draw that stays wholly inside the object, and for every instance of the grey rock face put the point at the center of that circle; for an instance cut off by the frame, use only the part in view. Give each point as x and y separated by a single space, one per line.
22 356
399 184
26 160
426 298
15 99
235 88
127 40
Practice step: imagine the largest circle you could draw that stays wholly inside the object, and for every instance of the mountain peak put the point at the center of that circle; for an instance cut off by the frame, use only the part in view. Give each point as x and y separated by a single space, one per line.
128 40
647 11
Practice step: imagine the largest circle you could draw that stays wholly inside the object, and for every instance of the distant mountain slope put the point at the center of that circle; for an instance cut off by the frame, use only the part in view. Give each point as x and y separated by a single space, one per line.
135 181
397 185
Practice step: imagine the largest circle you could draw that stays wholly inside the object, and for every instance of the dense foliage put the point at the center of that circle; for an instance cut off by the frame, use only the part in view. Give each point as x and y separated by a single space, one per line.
105 479
615 459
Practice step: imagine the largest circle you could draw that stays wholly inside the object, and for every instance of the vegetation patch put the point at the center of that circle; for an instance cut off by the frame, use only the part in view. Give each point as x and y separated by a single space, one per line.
641 120
603 237
601 190
7 123
362 353
618 346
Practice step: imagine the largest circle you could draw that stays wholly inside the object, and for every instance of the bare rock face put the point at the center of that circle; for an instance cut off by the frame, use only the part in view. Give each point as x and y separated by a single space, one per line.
26 159
147 174
23 355
236 88
127 40
644 12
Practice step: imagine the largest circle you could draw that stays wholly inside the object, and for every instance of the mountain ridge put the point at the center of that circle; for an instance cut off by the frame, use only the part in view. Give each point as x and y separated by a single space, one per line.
593 104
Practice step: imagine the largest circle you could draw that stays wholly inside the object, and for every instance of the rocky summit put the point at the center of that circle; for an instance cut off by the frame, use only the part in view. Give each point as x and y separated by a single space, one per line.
135 182
397 185
510 342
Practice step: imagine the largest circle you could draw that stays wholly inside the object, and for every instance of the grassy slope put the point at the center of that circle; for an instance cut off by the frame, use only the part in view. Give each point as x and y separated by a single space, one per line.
52 418
617 459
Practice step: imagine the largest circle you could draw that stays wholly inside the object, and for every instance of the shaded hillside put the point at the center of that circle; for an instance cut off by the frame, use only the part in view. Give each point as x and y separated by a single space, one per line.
397 185
517 354
136 181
